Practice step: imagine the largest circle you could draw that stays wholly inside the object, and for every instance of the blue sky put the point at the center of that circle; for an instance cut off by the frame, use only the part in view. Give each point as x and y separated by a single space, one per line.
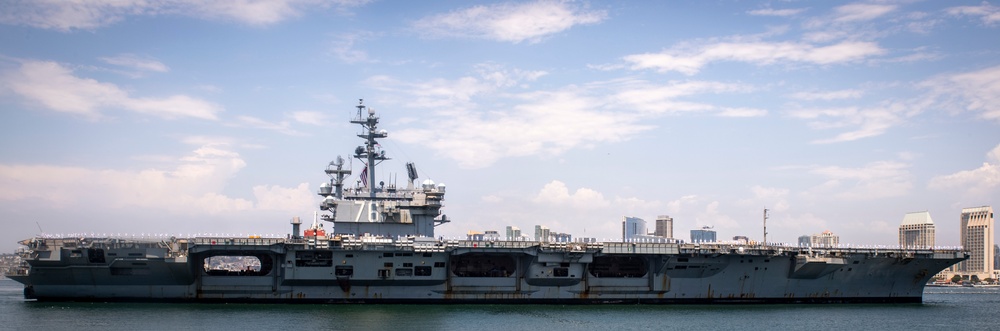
182 117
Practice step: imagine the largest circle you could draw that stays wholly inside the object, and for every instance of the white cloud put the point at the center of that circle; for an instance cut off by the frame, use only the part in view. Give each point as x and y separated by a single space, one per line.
509 22
274 197
803 223
827 95
690 60
57 88
585 212
87 15
503 77
434 93
713 217
860 21
776 12
863 122
742 112
775 199
976 91
545 123
637 205
848 17
861 12
190 185
207 140
344 47
311 117
136 62
556 193
681 204
283 127
664 98
977 181
988 13
876 180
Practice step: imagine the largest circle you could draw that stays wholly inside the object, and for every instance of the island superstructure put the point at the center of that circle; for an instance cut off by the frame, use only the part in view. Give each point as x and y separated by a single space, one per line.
382 249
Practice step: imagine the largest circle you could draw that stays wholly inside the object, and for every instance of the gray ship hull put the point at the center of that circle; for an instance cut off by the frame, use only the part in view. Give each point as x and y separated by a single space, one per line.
478 272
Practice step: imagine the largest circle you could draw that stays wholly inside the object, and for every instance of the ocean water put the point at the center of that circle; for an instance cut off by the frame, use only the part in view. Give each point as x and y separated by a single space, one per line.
943 309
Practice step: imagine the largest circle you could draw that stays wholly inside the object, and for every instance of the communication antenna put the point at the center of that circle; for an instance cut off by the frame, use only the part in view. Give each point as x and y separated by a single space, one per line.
39 227
765 226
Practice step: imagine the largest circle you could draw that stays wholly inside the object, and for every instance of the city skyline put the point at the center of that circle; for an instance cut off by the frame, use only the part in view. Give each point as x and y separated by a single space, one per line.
177 118
916 230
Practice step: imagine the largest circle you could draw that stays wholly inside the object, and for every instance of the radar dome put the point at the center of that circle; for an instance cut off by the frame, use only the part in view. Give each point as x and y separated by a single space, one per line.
428 184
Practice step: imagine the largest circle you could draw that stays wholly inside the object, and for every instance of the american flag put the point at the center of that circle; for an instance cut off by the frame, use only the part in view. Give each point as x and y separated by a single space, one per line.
364 176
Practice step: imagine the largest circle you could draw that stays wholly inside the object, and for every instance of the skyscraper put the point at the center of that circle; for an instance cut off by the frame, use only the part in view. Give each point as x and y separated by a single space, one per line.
977 238
917 230
664 226
805 241
704 235
513 233
542 233
632 227
996 256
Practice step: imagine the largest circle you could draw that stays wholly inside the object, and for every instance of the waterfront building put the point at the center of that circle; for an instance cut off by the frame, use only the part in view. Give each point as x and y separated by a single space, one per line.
977 238
916 230
805 241
542 233
825 239
664 226
632 228
560 237
703 235
513 233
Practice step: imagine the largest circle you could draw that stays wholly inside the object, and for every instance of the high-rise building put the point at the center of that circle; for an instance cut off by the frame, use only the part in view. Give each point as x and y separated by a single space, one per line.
542 233
996 256
805 241
703 235
917 230
632 227
513 233
488 235
491 235
664 226
977 239
825 239
560 237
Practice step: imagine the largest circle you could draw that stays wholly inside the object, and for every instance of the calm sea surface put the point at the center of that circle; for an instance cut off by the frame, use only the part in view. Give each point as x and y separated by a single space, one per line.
943 309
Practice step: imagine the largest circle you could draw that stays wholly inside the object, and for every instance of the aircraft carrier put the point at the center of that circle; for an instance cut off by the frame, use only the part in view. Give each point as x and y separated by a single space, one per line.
382 249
